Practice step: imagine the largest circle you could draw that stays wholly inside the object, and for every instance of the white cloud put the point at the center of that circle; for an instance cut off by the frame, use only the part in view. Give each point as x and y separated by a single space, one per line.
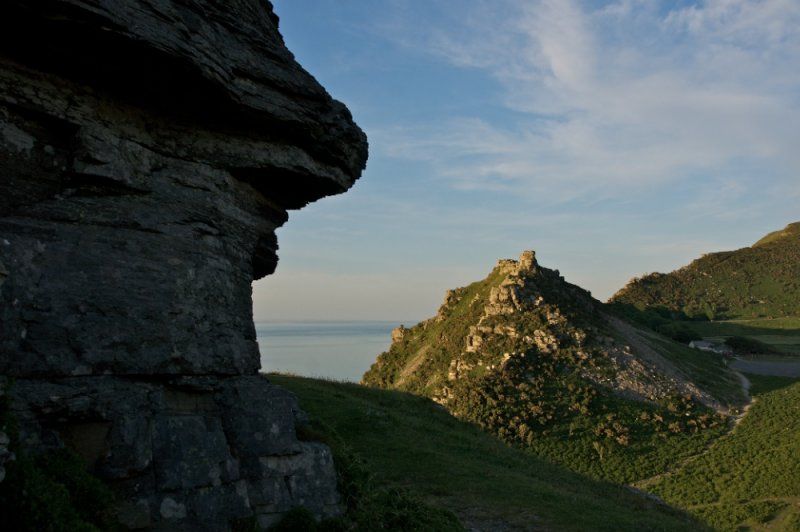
634 136
619 97
741 22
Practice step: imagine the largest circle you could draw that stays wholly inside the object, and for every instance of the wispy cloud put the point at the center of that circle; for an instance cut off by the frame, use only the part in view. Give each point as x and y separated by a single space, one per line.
614 137
632 94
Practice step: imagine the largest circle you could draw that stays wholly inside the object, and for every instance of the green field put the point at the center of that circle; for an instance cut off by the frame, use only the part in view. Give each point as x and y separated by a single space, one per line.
786 326
782 334
747 480
410 442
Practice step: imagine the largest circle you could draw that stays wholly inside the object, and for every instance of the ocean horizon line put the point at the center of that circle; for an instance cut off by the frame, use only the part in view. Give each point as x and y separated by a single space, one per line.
338 349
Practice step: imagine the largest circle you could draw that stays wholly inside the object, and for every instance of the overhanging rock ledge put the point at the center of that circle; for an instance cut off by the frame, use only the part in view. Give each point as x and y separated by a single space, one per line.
148 152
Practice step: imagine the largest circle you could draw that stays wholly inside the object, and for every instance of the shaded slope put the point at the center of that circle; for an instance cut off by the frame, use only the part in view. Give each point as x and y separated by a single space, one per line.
758 281
537 361
411 442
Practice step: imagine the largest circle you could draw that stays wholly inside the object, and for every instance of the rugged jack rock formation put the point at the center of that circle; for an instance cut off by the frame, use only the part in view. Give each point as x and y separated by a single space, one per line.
525 355
148 152
520 312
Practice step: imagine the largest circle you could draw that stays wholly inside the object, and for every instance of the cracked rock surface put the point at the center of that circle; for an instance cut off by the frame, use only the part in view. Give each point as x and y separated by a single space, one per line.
148 152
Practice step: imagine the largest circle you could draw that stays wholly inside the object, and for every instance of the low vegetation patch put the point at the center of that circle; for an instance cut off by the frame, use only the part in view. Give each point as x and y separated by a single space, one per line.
748 478
571 422
658 319
370 505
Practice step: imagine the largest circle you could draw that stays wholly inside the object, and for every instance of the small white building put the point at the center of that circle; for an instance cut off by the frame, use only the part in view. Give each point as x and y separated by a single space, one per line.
704 345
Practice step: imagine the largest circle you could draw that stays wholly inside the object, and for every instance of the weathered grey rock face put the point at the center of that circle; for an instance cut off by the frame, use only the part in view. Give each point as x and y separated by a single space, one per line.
191 453
143 175
148 152
5 453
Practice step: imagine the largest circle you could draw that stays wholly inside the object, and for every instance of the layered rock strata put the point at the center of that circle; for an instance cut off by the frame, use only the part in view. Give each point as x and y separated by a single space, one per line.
148 152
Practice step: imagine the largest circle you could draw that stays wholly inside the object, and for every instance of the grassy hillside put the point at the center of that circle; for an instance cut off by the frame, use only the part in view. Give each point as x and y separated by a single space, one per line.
410 442
755 282
749 479
538 362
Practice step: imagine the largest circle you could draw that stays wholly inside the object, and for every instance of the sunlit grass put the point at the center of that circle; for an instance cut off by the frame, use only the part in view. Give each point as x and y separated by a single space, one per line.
749 478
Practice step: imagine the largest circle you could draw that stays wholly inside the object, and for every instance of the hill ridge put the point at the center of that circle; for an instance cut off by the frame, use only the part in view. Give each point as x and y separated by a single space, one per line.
792 229
762 280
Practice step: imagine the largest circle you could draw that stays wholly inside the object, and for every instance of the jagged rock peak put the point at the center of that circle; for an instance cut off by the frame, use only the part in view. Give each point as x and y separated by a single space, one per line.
538 362
526 263
524 315
148 152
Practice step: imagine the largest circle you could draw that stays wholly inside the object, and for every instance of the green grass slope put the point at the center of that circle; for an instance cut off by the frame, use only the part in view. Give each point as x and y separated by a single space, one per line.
411 443
539 363
749 480
759 281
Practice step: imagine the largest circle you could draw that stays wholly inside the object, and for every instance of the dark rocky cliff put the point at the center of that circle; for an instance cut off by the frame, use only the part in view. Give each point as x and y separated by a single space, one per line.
148 152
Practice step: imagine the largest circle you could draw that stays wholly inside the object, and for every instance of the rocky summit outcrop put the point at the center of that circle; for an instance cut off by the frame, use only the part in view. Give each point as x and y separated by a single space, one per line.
524 315
148 152
539 362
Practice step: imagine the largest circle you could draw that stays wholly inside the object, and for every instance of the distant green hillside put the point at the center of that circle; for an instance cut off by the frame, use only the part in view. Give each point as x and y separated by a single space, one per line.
538 362
758 281
411 443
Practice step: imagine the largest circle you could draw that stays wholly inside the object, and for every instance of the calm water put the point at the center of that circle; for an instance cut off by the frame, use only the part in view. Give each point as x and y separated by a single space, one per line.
341 350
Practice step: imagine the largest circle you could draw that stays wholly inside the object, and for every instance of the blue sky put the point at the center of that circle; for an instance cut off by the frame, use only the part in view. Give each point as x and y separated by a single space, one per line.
614 138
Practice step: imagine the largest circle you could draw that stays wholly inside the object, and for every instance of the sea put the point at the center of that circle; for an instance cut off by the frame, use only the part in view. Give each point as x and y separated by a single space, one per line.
339 350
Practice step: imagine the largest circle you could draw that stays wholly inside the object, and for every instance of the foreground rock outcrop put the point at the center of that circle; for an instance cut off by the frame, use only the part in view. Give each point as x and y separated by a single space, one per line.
148 152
